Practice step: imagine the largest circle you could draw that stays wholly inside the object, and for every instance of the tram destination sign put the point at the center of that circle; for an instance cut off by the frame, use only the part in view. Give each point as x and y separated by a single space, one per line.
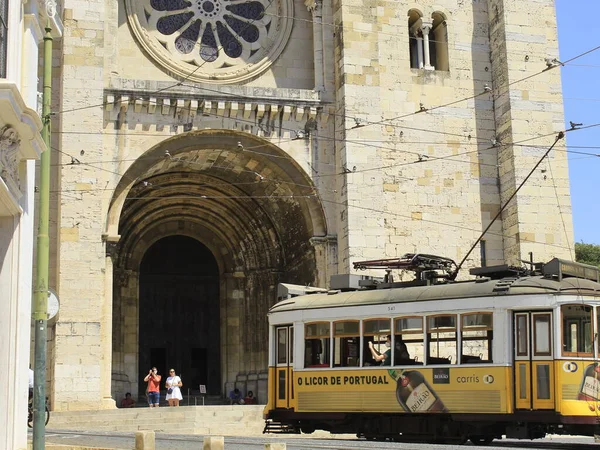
563 268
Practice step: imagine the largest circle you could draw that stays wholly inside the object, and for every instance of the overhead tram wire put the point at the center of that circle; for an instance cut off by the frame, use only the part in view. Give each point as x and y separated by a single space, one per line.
117 132
434 222
410 114
368 123
324 200
358 171
495 96
322 137
262 179
560 212
560 136
564 149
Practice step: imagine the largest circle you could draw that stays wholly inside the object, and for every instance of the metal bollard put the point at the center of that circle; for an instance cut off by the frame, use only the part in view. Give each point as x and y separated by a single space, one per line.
144 440
213 443
275 446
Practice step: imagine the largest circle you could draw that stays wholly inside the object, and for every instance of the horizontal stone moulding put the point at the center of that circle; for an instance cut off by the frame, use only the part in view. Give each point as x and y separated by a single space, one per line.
239 109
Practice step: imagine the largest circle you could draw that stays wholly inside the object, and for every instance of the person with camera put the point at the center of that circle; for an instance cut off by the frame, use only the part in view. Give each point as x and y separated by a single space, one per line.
153 380
173 388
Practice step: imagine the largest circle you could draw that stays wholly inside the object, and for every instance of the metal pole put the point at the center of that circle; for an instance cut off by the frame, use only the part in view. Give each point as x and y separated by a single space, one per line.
40 300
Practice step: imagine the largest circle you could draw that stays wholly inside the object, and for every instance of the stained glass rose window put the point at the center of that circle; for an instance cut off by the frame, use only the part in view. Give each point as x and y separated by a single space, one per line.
212 40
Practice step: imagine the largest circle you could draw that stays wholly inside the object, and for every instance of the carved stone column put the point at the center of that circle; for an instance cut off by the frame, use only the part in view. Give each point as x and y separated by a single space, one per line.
316 8
426 28
106 325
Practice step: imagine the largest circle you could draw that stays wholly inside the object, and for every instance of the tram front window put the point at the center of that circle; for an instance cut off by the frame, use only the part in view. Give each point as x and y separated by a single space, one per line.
317 345
577 330
346 338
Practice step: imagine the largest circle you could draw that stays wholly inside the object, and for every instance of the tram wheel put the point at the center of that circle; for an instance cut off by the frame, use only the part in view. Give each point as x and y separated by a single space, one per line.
481 440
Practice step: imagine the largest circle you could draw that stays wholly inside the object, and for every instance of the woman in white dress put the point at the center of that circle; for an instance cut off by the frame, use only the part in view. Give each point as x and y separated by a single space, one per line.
173 392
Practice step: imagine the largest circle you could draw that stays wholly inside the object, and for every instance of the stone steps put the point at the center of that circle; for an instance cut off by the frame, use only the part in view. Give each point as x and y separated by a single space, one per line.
216 420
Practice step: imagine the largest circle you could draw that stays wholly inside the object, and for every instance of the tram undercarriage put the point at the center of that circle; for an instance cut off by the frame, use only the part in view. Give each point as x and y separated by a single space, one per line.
428 428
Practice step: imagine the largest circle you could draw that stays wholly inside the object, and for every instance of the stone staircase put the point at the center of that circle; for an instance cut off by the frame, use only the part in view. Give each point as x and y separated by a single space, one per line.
240 420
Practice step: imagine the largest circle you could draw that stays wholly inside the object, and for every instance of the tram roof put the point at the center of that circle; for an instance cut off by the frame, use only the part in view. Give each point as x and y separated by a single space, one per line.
463 289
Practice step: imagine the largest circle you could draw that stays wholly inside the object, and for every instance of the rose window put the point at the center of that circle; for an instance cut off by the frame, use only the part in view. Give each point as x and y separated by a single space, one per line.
212 40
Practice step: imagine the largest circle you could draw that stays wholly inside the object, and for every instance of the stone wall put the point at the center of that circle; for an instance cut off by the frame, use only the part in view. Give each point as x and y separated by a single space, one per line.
347 152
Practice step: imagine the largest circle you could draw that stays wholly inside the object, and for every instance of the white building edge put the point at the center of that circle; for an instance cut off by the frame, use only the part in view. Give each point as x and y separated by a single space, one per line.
21 33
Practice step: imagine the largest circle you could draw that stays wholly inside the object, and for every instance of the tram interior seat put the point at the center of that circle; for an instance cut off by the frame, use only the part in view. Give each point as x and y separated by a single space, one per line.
436 360
472 359
407 362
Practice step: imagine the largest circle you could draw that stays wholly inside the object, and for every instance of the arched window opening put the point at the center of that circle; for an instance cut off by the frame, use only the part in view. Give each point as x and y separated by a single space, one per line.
438 42
415 39
428 41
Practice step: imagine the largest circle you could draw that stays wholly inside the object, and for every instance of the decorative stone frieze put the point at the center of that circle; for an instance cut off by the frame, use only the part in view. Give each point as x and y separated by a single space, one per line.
9 161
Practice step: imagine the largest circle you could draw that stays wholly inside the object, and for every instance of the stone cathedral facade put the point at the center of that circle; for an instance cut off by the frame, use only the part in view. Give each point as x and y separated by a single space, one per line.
207 150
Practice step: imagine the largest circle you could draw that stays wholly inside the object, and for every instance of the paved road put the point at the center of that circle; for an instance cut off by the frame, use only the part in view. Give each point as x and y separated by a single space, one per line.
120 441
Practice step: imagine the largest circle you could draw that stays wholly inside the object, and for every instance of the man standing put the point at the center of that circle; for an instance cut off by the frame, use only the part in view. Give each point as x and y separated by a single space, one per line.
153 380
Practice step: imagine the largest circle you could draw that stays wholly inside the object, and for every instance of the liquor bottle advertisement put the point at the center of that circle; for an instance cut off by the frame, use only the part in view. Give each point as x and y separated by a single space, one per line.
413 389
590 385
414 393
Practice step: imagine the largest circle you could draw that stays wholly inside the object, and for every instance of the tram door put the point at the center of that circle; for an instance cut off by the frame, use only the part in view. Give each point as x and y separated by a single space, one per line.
534 377
284 354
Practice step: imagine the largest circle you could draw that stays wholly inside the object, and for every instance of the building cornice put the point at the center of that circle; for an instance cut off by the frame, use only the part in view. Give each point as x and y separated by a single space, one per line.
241 102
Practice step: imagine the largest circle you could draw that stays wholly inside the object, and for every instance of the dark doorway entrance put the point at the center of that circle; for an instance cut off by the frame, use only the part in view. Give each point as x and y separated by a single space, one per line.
180 314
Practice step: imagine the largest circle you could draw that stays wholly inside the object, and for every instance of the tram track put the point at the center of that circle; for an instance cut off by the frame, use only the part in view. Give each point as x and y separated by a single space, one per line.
166 441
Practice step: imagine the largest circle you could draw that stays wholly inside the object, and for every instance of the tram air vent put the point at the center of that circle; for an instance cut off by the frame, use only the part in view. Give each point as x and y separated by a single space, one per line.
504 284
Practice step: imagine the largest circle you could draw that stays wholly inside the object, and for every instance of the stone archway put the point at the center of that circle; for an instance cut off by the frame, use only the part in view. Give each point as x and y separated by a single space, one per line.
253 208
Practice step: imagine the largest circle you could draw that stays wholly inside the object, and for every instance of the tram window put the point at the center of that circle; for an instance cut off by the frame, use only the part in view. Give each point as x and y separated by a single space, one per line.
541 334
409 330
476 336
577 330
282 345
441 342
376 331
316 345
346 338
522 335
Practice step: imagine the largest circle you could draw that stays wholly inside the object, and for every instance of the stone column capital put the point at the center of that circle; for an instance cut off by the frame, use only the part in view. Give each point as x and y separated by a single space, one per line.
112 245
313 5
426 26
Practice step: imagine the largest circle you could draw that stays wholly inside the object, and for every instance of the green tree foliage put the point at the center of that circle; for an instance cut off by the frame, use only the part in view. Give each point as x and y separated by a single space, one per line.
587 254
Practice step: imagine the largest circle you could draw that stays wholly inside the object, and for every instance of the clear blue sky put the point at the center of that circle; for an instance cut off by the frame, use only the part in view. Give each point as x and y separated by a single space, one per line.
578 31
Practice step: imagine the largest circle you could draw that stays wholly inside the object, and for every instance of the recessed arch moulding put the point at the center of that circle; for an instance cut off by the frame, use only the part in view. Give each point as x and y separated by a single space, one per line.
258 213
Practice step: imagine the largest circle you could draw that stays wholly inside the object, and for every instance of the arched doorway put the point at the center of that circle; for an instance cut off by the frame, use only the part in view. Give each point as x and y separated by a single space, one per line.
179 312
258 214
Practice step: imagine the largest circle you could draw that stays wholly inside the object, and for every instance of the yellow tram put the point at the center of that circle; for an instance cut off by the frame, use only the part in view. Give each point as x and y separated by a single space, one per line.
513 352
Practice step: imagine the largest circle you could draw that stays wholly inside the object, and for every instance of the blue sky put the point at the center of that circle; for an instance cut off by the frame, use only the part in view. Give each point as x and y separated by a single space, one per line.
578 32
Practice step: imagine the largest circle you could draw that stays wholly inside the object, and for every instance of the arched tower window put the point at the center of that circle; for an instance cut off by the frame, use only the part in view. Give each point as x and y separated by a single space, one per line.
415 39
438 42
428 41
